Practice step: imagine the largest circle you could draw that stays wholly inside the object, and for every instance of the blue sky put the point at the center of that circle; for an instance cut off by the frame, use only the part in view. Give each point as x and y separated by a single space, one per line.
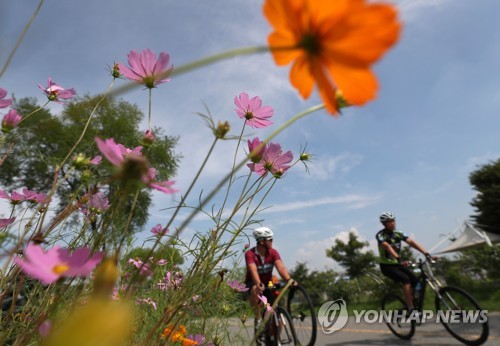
410 151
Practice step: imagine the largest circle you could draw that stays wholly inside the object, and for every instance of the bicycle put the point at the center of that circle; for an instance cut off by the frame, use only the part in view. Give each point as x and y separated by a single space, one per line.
456 309
301 309
278 328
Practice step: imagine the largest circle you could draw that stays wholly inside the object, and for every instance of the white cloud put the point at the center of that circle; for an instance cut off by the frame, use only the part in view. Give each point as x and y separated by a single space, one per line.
327 168
353 201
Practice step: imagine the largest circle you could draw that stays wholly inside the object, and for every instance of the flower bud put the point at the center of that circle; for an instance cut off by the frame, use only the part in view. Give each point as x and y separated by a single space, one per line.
115 72
222 129
10 120
278 173
79 160
148 138
305 157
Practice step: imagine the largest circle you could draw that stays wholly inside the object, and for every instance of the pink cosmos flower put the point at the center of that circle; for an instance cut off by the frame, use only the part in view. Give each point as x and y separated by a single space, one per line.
96 160
115 152
163 186
96 204
144 268
10 120
158 230
33 196
146 69
253 145
57 262
236 286
171 280
55 92
251 109
274 161
44 328
255 156
147 301
14 198
6 222
161 262
3 101
269 309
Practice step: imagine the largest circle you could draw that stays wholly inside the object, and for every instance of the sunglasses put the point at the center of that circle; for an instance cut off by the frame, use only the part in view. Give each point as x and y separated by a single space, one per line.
270 239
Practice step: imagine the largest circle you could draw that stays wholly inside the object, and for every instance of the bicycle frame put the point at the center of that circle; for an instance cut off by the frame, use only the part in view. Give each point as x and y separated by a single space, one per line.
272 321
426 277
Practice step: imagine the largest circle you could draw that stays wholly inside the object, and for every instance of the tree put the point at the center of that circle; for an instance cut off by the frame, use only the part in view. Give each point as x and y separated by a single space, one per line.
483 262
486 181
320 285
43 140
351 257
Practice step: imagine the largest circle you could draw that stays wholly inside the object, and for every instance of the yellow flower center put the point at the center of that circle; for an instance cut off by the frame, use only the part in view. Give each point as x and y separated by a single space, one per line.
60 268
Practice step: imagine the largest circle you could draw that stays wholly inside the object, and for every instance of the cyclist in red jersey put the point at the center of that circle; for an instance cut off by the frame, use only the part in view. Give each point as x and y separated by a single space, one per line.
260 262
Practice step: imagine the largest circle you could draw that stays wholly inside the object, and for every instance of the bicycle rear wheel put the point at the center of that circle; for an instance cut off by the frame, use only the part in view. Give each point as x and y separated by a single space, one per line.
286 331
303 315
396 315
462 316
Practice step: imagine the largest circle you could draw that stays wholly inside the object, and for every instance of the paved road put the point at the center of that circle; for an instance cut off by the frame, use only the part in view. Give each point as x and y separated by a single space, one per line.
364 334
428 334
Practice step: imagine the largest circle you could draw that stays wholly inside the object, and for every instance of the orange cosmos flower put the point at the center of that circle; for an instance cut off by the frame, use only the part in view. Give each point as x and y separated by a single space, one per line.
335 44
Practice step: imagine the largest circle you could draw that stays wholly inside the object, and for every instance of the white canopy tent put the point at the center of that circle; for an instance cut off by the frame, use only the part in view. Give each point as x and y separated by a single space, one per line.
469 236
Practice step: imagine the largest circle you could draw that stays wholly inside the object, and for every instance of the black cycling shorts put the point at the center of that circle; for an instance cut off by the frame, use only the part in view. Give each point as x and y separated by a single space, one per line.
398 273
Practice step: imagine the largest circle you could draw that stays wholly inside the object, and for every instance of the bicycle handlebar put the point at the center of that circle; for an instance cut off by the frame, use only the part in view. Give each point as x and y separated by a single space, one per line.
421 262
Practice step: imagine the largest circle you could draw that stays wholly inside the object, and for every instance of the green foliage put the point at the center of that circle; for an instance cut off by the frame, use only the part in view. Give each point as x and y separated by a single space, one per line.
465 271
351 257
43 140
486 181
483 262
319 284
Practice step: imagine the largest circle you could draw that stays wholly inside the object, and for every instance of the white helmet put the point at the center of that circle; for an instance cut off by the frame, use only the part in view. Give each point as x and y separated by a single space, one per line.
387 216
262 232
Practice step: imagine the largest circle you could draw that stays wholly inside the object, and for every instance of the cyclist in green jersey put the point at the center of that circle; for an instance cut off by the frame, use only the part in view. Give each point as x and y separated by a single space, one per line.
391 264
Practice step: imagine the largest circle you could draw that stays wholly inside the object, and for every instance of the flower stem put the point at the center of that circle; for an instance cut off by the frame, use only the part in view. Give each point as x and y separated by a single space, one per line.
87 124
36 110
232 172
200 63
242 163
20 39
149 111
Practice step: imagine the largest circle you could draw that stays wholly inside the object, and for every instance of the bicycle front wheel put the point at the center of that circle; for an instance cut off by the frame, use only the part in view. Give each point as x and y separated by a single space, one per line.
286 332
396 316
303 315
462 316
